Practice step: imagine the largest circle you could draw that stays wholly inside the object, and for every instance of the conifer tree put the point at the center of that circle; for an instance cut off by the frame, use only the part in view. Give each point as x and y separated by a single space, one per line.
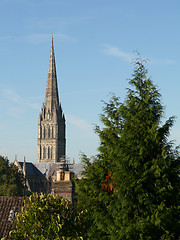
131 188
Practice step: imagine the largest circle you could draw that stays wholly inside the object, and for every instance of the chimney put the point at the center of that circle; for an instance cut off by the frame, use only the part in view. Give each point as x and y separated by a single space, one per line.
58 176
67 176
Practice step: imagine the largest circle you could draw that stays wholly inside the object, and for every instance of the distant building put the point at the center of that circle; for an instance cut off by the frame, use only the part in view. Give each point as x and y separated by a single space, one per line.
36 181
51 123
53 178
51 173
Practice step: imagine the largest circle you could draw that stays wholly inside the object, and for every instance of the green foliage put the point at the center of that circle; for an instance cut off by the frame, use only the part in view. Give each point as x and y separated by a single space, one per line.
131 188
12 182
48 217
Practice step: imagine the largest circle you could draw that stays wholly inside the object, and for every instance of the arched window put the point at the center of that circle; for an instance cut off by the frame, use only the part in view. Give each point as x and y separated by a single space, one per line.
49 132
52 132
44 152
48 115
40 152
44 132
44 113
49 152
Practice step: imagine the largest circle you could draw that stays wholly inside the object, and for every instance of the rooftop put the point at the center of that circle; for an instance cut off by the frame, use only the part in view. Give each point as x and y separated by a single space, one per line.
8 207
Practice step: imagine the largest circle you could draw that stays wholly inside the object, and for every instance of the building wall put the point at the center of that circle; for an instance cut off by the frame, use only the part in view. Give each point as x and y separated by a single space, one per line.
63 189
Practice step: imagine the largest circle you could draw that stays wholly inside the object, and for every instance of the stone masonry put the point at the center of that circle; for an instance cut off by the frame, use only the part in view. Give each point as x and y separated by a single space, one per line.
51 123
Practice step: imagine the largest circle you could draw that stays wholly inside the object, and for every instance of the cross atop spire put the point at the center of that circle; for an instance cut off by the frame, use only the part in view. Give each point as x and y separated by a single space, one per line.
52 98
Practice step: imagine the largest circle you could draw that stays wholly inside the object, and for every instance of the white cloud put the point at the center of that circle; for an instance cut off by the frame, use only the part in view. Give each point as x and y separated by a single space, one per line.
11 95
17 103
163 61
58 22
116 52
35 105
8 37
80 123
62 36
16 111
39 38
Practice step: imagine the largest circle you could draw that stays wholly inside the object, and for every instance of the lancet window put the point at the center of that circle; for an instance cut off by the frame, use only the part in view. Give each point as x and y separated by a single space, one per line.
49 132
44 152
44 132
52 132
49 152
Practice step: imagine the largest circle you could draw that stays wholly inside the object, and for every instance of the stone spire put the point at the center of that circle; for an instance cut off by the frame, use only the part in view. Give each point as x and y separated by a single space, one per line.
51 122
52 99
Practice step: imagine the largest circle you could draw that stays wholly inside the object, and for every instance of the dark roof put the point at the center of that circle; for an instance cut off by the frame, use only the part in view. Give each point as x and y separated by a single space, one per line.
48 169
78 168
6 205
31 170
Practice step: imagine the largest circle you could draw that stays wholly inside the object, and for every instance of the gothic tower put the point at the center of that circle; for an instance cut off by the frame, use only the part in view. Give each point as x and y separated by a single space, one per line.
51 123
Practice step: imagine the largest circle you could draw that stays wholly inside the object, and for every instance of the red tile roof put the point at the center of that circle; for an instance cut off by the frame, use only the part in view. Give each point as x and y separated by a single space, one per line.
6 205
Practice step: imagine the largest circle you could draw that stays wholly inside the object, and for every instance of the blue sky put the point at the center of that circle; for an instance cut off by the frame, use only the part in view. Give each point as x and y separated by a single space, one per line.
94 43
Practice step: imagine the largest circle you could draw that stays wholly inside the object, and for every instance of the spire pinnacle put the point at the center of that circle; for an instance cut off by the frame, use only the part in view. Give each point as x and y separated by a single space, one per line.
52 98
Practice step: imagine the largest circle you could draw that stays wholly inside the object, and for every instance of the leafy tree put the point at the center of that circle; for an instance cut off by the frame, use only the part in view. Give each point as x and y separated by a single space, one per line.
48 217
12 182
131 188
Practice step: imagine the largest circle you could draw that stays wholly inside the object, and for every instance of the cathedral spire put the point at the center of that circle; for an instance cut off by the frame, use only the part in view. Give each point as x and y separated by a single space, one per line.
51 122
52 99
